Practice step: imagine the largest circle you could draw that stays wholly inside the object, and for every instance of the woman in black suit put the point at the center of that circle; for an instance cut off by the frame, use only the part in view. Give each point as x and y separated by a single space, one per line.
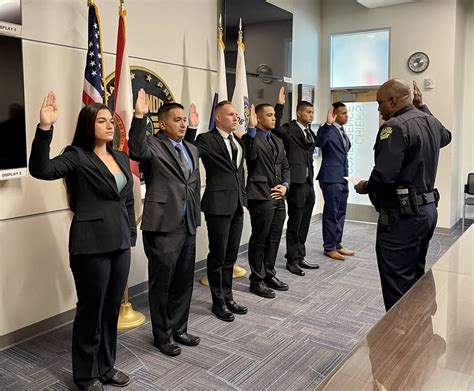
99 185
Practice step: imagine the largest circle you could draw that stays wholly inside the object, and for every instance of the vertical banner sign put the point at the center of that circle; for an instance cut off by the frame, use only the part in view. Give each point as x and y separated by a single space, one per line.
361 128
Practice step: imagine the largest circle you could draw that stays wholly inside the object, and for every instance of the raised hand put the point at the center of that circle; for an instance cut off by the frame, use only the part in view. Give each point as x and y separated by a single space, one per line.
193 116
417 95
281 96
141 105
252 118
48 112
331 117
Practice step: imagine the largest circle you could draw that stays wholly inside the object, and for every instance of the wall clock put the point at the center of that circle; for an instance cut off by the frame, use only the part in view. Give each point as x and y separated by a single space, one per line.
418 62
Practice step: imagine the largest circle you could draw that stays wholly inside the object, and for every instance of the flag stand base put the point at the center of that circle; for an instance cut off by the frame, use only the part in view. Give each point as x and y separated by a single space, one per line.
238 272
128 318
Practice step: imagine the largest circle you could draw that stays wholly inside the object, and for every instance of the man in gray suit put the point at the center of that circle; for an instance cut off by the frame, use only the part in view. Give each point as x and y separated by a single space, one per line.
170 216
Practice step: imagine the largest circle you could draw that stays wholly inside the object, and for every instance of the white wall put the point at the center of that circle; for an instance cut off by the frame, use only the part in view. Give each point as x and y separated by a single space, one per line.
163 35
428 26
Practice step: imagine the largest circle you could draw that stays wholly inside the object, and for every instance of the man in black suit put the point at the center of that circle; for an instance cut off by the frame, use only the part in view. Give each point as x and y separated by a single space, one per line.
267 183
171 214
335 145
222 154
299 141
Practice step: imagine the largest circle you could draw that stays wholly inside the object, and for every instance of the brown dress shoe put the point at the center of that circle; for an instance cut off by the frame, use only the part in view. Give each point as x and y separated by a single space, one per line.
345 251
334 255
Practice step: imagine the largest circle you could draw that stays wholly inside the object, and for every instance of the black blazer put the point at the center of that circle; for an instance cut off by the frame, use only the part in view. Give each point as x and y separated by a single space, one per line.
104 219
225 183
298 153
264 170
335 165
167 189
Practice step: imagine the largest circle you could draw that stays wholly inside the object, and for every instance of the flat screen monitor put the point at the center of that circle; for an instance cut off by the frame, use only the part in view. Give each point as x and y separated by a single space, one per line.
12 109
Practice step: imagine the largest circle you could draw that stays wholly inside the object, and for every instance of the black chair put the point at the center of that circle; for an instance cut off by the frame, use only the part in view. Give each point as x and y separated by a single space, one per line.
468 196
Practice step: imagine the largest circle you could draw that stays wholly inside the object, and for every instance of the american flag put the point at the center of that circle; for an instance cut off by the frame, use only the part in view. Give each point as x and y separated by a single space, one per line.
93 81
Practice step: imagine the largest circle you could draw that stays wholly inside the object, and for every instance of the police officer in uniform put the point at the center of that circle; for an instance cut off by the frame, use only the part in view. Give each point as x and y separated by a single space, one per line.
401 186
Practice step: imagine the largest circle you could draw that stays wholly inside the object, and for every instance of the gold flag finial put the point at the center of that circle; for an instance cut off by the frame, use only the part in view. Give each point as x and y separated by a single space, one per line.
90 2
122 10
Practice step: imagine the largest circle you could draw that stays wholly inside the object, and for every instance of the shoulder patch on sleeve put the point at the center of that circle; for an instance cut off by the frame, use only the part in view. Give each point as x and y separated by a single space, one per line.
385 133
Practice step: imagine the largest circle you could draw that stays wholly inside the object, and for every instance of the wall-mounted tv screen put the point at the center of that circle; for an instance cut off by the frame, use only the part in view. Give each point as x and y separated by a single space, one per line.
268 32
12 109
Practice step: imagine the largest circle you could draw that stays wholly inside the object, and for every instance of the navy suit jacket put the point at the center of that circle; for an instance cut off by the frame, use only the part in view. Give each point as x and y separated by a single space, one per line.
334 166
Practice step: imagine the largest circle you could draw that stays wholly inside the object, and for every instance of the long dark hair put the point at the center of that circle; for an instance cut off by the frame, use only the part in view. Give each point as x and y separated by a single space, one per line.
84 137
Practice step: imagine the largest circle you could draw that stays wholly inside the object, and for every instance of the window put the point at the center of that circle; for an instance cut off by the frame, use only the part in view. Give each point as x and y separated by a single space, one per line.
360 59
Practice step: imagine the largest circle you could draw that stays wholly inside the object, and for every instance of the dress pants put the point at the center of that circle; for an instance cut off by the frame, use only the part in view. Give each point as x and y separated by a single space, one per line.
267 219
401 248
100 281
300 200
171 258
334 213
224 233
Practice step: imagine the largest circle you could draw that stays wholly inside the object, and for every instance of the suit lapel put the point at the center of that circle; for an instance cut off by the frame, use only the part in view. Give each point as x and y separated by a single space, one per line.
123 166
220 141
297 133
104 171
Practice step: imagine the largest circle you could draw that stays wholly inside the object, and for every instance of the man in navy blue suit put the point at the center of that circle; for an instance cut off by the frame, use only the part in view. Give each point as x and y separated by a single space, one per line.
335 145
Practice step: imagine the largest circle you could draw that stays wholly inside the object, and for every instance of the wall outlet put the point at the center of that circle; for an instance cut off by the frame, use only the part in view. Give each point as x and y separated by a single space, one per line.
428 84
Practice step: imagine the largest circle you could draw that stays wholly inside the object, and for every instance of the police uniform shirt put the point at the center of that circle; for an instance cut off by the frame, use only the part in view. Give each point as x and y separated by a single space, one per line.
407 150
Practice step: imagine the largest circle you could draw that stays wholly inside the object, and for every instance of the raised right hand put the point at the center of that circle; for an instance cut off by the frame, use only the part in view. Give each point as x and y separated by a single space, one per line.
417 95
281 96
141 105
48 112
331 117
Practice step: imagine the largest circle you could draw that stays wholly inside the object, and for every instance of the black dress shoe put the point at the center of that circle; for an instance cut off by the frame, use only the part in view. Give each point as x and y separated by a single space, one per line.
276 284
295 269
306 265
232 306
95 386
119 379
262 290
169 348
186 339
223 313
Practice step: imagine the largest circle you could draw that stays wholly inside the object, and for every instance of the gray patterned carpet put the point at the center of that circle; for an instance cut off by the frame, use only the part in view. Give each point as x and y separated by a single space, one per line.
288 343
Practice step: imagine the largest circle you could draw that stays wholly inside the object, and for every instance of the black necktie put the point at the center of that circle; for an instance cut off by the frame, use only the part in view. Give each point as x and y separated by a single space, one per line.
309 138
233 148
272 144
182 160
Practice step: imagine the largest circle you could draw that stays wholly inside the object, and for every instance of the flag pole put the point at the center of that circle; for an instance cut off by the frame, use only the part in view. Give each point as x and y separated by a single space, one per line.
128 317
239 271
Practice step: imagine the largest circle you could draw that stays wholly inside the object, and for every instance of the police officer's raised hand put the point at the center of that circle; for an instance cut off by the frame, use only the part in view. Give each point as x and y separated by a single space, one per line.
417 96
48 112
361 187
252 118
193 116
141 105
331 117
281 96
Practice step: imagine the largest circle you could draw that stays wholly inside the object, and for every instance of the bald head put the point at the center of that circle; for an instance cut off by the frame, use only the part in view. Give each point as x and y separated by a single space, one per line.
393 96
